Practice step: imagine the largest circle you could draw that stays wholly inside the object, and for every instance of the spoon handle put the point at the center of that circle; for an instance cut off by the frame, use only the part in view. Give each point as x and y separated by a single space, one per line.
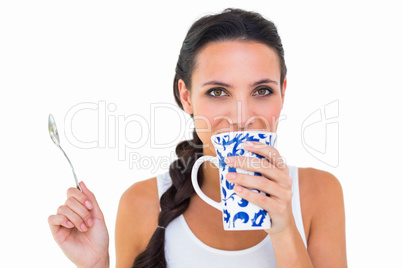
72 168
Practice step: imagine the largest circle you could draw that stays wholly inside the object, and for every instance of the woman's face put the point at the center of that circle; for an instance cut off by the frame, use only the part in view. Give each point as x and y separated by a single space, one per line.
235 86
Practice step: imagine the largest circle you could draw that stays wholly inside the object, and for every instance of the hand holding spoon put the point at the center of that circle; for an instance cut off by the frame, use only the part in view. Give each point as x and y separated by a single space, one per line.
54 135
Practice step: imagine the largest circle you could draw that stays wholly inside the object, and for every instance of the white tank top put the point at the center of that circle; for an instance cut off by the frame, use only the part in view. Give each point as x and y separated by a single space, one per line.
183 249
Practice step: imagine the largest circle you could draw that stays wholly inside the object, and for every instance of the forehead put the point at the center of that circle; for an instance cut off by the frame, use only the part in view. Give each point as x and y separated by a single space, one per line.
231 58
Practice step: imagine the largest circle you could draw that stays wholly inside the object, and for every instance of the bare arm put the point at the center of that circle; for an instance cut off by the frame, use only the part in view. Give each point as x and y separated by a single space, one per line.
321 192
324 196
136 221
322 206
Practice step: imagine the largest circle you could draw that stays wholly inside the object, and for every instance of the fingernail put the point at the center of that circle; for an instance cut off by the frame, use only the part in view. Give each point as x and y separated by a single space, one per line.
231 176
70 224
249 144
90 223
88 204
229 160
83 227
238 189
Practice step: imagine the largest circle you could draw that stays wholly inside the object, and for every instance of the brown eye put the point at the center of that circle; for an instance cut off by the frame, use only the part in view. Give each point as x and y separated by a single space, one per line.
217 92
262 92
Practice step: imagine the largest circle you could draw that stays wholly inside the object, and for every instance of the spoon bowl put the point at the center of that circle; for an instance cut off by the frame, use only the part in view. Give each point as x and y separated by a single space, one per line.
54 135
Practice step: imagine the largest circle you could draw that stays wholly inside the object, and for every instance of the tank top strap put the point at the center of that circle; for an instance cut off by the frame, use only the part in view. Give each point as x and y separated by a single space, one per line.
163 182
296 207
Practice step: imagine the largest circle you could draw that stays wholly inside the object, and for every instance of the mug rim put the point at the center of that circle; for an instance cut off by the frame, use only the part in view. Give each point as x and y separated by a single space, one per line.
244 131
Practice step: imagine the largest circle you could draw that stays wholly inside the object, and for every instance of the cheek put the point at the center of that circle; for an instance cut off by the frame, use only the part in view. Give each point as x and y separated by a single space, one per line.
207 114
204 125
264 116
206 122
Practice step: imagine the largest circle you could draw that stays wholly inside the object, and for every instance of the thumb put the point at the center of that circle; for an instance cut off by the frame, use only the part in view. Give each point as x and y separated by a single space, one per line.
96 211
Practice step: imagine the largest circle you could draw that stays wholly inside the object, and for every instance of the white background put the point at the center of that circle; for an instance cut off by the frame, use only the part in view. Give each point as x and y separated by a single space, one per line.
55 55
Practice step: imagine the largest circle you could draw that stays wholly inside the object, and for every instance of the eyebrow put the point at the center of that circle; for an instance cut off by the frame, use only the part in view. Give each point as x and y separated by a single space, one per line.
263 81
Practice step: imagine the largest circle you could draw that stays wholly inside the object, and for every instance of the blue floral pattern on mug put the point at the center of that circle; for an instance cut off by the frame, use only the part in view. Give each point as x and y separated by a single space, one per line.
238 213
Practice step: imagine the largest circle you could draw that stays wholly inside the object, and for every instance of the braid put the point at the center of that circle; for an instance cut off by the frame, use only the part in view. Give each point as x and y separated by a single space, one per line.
173 202
231 24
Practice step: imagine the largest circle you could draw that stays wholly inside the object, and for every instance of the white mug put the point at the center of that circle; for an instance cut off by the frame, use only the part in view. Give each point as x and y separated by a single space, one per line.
238 213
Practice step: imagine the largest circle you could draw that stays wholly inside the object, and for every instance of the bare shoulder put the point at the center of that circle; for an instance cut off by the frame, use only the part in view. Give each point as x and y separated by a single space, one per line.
318 182
137 219
318 187
321 199
318 190
144 192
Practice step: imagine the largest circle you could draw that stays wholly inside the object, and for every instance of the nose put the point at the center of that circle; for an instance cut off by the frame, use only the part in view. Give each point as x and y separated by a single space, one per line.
241 115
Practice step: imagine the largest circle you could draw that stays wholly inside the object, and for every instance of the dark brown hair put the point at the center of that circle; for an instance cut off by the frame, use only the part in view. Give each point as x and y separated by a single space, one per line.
231 24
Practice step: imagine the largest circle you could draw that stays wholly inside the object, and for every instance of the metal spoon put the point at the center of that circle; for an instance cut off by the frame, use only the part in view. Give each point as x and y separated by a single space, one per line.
54 135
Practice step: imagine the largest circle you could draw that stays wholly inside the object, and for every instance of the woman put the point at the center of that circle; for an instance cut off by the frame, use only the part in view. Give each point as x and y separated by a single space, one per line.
230 76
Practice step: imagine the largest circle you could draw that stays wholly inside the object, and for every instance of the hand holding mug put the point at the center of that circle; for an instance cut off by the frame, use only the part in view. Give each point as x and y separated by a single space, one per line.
275 182
238 213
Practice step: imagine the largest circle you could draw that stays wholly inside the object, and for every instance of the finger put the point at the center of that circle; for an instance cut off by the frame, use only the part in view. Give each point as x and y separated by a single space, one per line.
96 211
254 164
269 152
78 208
55 221
274 207
261 166
257 182
73 217
256 198
60 227
81 197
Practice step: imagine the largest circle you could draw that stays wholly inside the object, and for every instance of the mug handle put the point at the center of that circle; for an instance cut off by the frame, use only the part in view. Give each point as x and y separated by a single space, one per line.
194 180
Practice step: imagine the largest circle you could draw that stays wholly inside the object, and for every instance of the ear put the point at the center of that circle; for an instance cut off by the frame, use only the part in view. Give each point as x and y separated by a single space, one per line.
185 97
283 90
